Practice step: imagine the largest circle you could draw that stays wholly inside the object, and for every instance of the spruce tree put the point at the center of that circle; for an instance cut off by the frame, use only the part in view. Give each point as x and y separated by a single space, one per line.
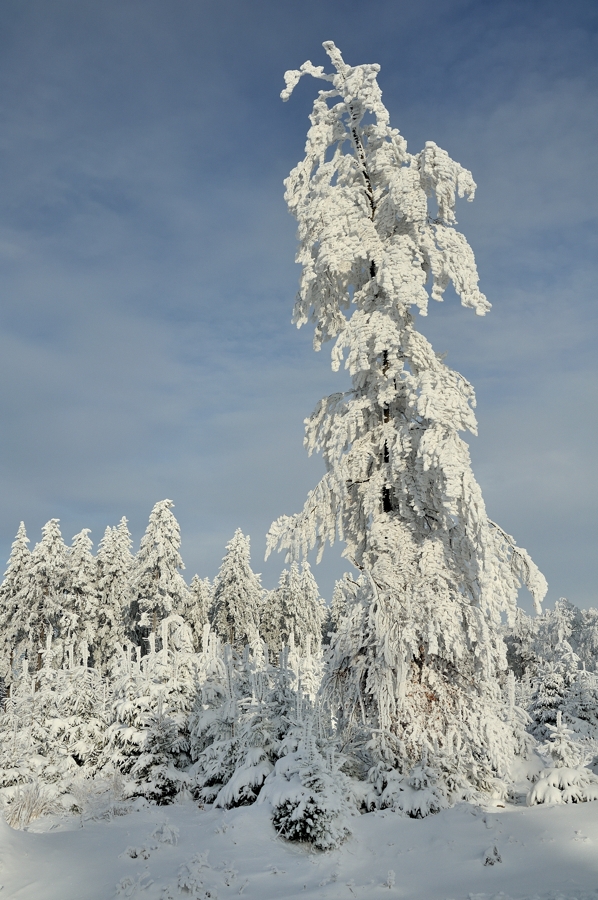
415 660
159 589
50 610
566 779
13 605
114 562
294 611
197 612
313 611
81 588
237 595
278 617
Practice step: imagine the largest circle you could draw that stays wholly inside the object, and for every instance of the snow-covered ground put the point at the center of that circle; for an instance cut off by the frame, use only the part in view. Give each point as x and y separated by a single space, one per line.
182 851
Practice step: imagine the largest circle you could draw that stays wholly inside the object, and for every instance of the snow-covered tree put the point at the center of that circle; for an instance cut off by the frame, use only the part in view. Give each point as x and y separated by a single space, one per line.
582 701
240 721
159 767
587 639
114 562
309 796
147 741
197 613
237 595
294 610
14 605
520 639
81 588
279 611
214 721
313 612
82 710
566 778
50 609
343 588
159 588
415 661
35 740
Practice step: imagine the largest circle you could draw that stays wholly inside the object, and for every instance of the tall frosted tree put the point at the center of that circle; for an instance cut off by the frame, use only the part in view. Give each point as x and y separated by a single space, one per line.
81 588
237 594
13 604
159 588
114 562
50 610
313 612
294 609
418 649
197 613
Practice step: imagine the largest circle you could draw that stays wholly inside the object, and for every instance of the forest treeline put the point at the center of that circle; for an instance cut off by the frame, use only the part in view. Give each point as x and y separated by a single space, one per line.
121 682
102 602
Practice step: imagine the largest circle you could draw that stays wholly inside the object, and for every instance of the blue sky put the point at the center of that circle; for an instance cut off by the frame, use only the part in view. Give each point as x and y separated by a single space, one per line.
147 268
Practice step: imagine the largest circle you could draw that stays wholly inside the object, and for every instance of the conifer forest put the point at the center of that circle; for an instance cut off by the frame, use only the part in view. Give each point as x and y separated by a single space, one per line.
421 684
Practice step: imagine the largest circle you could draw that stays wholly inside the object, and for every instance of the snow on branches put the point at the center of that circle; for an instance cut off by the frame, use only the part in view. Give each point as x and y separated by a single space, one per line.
416 657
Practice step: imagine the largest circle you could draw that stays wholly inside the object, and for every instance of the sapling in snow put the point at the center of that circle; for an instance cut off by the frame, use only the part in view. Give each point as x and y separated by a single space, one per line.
566 778
309 795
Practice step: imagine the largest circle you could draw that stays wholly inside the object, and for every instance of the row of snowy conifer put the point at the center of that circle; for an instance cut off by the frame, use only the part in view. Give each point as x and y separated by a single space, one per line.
217 724
555 660
117 598
171 710
232 727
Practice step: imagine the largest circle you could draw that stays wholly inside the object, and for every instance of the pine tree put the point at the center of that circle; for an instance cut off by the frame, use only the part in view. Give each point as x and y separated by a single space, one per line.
159 588
237 595
114 563
14 605
414 665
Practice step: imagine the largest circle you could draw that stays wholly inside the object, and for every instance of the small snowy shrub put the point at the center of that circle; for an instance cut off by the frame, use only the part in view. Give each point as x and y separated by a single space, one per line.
191 878
29 802
308 801
418 794
567 780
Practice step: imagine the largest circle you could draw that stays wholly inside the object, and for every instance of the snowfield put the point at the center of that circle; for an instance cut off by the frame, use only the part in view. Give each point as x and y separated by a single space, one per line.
182 851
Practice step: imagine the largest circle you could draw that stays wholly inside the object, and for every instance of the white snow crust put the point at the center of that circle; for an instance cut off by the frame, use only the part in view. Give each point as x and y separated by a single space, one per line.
549 853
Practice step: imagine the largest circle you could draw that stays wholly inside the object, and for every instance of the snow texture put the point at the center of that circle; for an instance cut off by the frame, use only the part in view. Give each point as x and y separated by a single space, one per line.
545 854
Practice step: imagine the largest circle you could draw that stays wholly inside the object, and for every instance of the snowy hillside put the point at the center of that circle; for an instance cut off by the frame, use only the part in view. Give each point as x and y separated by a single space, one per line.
180 851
